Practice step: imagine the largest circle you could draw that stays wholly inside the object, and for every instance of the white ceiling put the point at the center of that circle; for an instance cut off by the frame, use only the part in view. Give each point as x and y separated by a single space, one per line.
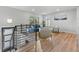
43 9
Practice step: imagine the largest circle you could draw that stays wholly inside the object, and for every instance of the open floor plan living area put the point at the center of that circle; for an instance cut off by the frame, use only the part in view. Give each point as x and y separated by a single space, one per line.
39 28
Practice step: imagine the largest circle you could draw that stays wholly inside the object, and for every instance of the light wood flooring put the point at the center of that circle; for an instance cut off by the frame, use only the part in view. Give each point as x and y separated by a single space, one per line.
60 42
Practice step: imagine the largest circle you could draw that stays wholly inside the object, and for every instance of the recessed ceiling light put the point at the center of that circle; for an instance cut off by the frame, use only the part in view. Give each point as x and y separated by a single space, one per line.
33 9
57 9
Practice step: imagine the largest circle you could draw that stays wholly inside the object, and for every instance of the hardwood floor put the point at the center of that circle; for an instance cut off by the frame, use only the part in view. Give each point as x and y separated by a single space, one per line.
65 42
60 42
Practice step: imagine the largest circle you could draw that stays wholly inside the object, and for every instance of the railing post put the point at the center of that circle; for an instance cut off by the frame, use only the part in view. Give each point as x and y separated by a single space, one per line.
35 41
21 28
15 39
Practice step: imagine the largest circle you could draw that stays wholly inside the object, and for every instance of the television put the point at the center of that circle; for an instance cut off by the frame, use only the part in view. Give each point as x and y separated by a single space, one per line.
60 17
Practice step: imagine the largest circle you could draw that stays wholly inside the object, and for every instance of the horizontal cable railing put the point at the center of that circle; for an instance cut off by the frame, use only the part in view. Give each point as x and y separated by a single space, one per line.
22 36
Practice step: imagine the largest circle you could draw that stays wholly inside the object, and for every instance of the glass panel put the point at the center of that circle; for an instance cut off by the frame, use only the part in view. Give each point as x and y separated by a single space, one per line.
6 45
7 37
8 31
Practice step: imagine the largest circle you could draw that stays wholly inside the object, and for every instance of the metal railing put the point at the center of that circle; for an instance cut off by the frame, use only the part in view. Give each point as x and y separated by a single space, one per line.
20 37
7 39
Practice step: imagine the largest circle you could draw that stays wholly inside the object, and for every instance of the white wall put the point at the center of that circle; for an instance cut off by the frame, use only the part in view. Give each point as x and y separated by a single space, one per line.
78 20
18 16
68 25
